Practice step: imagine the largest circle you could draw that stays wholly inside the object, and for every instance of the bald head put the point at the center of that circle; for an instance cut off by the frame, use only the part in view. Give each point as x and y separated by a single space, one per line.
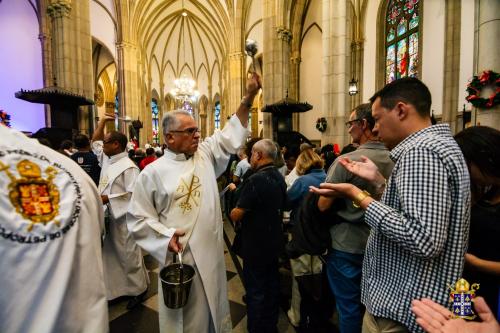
263 152
266 147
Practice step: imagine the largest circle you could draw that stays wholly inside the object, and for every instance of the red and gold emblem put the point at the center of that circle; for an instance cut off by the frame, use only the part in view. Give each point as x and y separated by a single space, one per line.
35 198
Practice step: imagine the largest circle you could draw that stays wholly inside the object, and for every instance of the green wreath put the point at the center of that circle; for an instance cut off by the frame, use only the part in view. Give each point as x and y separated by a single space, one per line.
321 124
477 84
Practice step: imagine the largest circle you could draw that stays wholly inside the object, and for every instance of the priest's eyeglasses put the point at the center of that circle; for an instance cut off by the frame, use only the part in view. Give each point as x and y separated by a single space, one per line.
188 131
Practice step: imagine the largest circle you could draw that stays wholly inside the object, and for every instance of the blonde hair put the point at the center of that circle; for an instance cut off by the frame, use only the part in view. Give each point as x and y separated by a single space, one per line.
307 161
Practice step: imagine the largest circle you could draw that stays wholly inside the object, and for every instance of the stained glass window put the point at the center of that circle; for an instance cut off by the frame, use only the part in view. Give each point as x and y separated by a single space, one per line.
117 106
217 115
188 106
401 39
155 118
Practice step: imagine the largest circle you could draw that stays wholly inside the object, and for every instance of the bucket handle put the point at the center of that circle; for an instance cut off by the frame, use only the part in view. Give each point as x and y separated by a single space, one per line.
181 277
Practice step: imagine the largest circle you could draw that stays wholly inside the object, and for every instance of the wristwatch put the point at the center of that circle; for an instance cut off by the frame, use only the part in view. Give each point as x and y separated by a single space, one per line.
245 101
360 197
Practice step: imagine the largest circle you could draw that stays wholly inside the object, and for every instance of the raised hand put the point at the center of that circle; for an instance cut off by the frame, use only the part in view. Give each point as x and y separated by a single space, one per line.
253 84
331 190
363 168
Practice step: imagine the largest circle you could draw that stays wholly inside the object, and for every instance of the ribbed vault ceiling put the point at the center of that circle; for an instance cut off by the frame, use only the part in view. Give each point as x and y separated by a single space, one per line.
173 44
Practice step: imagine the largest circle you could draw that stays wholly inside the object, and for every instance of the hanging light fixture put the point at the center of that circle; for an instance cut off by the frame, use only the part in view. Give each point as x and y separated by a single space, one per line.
353 84
353 87
184 86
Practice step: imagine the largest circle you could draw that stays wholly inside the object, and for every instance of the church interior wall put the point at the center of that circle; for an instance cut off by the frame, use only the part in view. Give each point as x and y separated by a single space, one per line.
311 53
370 49
466 51
432 52
21 64
214 36
102 26
311 83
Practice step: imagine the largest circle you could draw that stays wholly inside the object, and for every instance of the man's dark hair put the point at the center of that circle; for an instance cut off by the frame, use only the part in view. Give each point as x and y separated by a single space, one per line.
81 141
327 148
408 90
150 151
292 152
120 138
66 144
364 111
481 147
348 148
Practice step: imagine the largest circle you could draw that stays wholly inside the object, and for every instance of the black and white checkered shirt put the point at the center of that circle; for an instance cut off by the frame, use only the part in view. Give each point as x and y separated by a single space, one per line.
419 228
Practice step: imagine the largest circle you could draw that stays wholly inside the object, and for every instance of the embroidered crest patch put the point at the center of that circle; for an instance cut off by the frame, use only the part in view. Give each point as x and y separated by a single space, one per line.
34 197
462 297
40 198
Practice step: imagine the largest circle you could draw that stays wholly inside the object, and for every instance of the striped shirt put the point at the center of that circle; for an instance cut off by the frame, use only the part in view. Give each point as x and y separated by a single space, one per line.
419 228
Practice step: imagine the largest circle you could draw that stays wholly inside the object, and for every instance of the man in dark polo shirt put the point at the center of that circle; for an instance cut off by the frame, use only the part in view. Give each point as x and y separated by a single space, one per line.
85 158
259 210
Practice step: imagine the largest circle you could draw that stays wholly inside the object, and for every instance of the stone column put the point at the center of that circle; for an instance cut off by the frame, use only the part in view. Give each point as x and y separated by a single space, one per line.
335 71
276 55
293 90
357 72
452 64
72 50
488 40
209 120
161 109
236 81
127 84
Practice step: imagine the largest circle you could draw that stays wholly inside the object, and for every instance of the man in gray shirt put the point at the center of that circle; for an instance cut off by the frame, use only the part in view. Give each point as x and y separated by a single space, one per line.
349 237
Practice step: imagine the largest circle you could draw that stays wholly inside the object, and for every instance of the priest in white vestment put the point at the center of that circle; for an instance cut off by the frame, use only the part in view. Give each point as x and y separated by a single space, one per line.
175 206
124 270
51 275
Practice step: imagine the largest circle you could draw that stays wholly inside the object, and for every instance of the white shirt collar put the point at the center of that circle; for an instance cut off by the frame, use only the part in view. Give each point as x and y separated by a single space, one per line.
174 156
117 157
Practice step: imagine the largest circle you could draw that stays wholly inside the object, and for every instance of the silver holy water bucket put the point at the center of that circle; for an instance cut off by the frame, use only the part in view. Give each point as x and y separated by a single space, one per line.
176 283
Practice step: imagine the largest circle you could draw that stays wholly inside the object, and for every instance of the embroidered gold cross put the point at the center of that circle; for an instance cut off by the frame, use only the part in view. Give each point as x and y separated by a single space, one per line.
191 195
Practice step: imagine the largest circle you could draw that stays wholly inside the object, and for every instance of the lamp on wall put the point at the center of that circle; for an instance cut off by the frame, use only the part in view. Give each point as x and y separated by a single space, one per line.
353 84
353 87
184 89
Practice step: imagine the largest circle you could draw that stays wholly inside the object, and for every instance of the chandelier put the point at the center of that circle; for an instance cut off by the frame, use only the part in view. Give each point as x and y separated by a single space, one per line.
184 89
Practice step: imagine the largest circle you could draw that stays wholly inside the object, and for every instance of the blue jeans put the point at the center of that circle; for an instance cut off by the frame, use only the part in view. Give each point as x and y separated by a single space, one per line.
262 285
344 276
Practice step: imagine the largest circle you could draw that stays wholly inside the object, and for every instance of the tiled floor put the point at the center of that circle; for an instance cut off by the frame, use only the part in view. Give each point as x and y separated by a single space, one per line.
144 318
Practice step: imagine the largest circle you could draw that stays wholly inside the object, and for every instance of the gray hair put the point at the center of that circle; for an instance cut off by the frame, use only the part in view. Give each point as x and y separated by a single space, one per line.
267 147
170 121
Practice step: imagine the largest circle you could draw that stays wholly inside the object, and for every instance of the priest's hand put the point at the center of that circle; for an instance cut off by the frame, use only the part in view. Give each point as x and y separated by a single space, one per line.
104 198
174 245
253 85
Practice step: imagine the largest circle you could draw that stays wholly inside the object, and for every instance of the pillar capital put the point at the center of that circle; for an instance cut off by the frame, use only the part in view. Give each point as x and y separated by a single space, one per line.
284 34
295 60
59 8
124 45
236 55
357 44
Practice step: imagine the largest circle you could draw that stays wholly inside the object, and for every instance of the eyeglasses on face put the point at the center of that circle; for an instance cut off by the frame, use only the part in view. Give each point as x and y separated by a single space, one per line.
189 131
107 141
349 123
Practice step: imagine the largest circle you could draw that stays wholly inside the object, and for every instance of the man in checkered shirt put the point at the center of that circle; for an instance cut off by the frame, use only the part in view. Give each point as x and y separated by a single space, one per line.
420 226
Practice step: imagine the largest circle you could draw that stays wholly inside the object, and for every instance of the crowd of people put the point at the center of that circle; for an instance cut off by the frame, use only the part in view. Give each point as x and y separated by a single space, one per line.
390 222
